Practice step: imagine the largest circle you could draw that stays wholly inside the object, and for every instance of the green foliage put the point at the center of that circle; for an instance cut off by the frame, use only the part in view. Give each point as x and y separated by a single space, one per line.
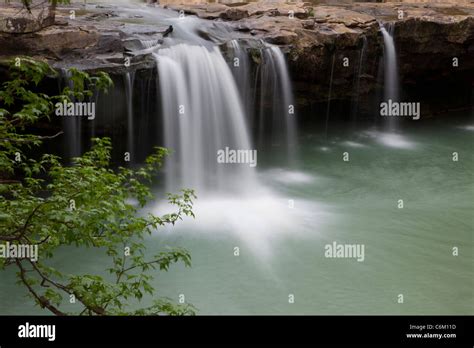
84 205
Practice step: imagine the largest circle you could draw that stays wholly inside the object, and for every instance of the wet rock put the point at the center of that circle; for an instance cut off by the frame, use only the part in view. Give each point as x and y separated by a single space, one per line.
102 15
234 14
348 18
16 20
308 24
52 42
233 2
204 11
316 39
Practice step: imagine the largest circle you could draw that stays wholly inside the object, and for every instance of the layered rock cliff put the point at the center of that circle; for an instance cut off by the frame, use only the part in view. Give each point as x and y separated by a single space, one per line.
435 43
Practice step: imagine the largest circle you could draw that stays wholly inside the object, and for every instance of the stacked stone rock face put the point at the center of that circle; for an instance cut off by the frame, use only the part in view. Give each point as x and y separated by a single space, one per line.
17 19
454 2
428 37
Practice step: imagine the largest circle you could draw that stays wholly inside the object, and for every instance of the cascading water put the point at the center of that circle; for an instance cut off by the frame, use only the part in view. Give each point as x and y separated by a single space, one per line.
288 107
276 112
199 111
275 86
72 125
355 99
242 71
202 115
391 87
285 223
128 81
326 128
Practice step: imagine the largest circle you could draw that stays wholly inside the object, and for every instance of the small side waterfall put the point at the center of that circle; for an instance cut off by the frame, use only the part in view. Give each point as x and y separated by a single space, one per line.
391 87
275 112
202 114
288 107
328 109
242 70
128 82
355 99
72 125
276 99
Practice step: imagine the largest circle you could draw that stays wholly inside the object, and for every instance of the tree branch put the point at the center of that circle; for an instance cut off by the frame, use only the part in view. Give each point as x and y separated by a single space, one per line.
39 137
44 303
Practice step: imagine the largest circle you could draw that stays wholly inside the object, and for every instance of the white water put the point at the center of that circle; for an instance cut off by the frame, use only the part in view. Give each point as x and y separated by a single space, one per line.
243 75
128 79
202 114
72 125
276 96
275 86
355 99
270 226
196 80
329 95
288 101
391 86
389 139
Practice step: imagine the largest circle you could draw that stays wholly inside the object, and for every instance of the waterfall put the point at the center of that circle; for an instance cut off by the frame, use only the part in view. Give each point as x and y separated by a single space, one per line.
390 64
355 99
202 114
128 81
276 100
288 107
242 71
326 128
276 112
391 88
72 125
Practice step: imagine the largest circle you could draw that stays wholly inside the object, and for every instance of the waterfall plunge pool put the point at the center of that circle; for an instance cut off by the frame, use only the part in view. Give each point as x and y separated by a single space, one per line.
282 227
258 243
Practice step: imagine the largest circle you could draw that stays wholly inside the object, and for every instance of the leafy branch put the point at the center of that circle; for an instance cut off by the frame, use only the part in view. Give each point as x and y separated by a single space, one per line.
87 205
